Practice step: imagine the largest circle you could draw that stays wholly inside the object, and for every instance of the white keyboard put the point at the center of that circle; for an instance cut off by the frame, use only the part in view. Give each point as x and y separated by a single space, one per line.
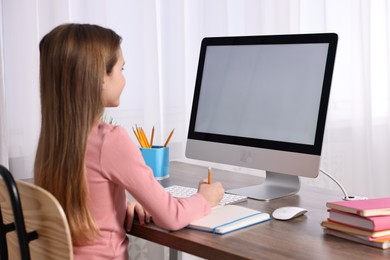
185 192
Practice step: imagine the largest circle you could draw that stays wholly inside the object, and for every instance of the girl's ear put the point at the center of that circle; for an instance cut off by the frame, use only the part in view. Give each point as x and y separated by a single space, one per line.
105 80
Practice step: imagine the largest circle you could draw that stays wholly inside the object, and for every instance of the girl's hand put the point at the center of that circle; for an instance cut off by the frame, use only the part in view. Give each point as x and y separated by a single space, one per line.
213 192
133 208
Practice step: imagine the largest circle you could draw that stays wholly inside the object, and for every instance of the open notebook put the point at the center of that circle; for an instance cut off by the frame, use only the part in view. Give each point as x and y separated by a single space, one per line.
228 218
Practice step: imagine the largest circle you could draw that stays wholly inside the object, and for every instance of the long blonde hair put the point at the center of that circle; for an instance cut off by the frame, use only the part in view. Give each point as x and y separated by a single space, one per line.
73 61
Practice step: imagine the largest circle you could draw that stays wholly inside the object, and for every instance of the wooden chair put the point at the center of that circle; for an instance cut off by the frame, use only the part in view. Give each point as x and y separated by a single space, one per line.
33 224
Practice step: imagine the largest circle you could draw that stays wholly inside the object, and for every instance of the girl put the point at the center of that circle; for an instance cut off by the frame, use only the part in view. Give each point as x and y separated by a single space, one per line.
88 164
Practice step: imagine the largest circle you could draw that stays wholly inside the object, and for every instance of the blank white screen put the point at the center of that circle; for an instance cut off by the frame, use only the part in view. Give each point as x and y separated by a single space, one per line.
269 92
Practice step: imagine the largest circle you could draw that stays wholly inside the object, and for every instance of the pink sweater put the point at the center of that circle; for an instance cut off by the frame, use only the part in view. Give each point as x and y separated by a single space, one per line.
115 164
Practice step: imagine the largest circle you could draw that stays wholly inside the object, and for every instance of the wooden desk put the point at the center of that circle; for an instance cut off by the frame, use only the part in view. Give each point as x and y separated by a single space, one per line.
300 238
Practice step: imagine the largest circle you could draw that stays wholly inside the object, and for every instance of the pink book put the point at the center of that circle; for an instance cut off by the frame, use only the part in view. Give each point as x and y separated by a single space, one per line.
365 208
373 223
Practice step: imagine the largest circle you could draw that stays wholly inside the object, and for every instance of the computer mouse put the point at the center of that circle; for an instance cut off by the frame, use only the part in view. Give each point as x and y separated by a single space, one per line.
287 213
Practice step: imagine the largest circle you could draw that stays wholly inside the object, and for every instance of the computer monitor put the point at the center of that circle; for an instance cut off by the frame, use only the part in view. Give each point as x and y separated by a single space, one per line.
261 102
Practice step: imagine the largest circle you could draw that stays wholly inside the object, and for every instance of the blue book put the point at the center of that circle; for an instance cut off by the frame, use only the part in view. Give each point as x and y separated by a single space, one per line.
229 218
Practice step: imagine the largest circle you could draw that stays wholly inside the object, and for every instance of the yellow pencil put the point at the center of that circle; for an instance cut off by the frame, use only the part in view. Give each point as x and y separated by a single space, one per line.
209 174
141 141
169 137
136 135
137 129
151 138
144 138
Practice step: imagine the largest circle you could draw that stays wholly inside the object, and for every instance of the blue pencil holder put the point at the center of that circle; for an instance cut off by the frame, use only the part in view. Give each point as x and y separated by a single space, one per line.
157 158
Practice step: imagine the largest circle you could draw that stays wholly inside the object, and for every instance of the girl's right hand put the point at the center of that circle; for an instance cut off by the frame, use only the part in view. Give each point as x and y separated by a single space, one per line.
213 192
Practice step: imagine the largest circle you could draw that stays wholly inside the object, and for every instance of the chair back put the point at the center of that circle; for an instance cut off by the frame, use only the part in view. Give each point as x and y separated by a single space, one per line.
33 224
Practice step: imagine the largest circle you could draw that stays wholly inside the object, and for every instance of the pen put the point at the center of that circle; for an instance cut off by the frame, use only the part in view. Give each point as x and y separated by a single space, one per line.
169 138
209 173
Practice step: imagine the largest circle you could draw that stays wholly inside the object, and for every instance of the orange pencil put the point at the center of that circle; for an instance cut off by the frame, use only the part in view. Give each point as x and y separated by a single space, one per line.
169 137
209 174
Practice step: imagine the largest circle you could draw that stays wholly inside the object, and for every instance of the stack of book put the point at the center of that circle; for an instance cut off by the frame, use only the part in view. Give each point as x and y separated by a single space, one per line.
363 221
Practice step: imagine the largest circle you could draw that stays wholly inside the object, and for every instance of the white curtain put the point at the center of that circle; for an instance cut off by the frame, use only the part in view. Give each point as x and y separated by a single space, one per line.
3 134
161 40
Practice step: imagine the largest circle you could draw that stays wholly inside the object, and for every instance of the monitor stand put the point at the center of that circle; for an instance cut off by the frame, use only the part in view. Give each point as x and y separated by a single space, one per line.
276 185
